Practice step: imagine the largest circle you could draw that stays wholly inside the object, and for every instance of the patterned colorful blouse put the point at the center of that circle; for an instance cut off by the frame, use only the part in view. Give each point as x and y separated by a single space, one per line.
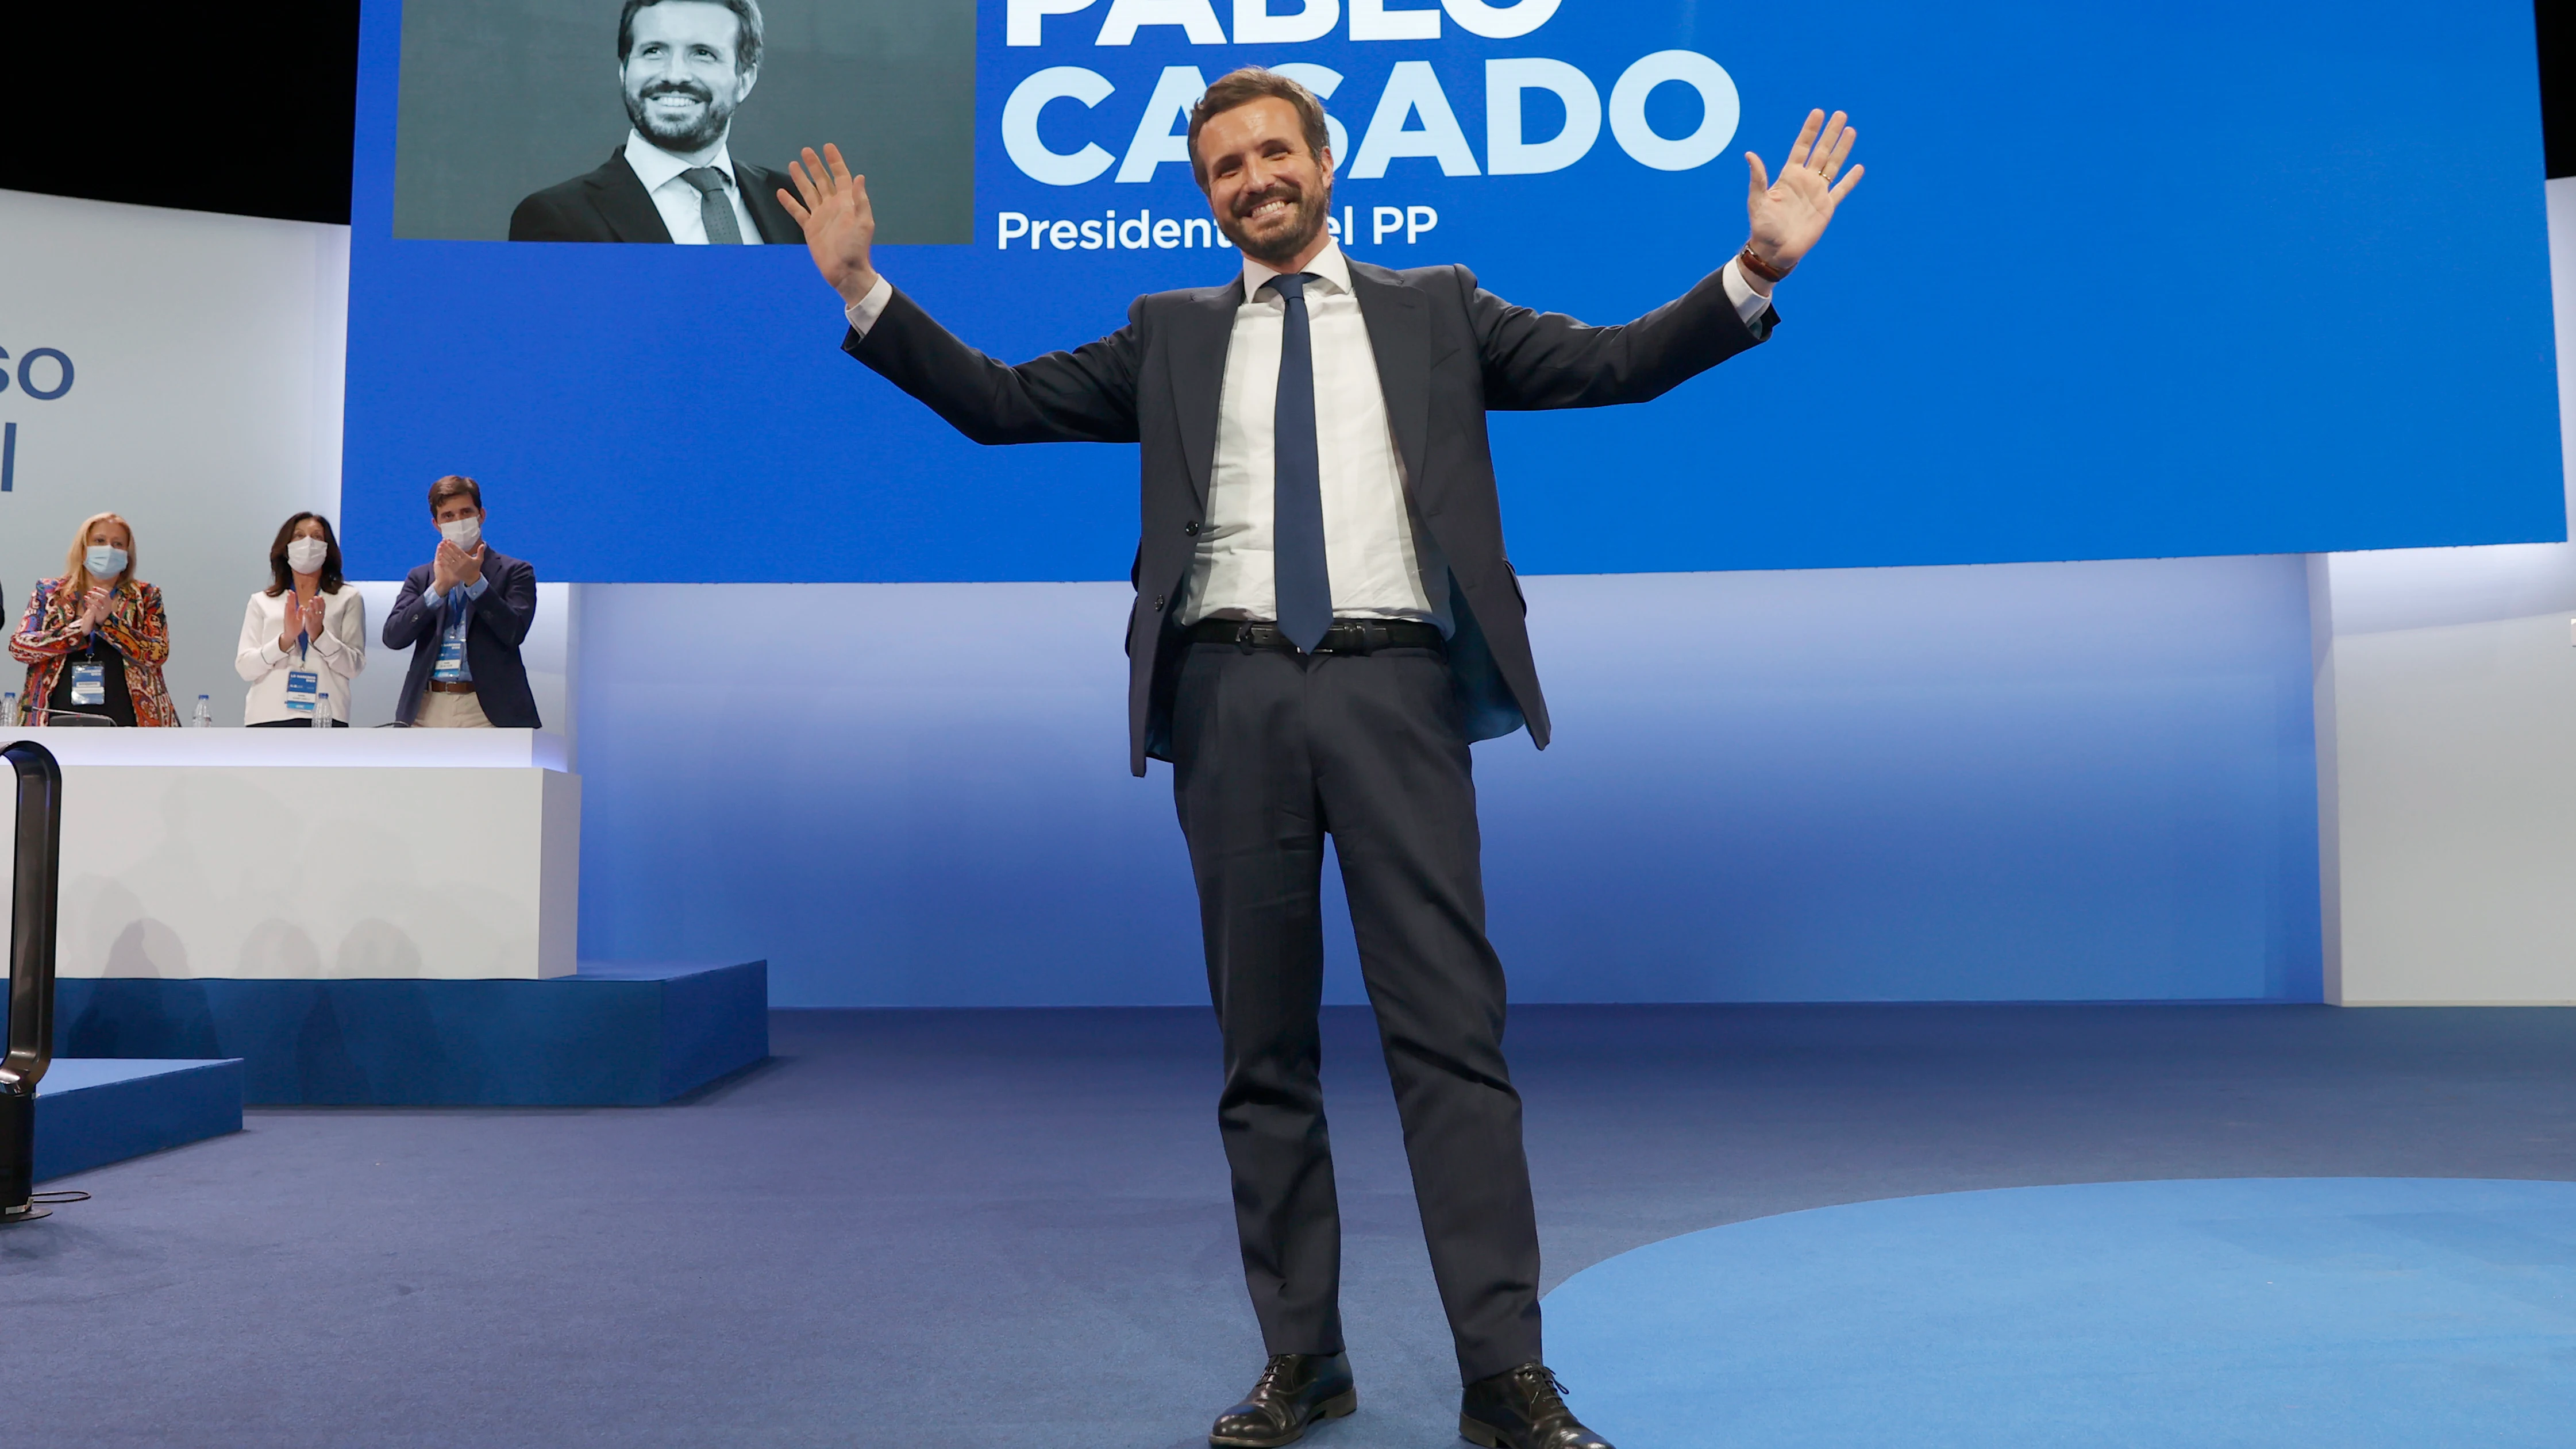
135 626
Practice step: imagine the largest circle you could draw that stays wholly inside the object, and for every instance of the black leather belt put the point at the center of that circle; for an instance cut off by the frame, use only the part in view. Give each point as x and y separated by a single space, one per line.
1347 636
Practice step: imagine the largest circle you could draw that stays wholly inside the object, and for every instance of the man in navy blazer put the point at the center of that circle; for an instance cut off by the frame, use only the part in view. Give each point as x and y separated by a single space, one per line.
1324 621
683 66
463 615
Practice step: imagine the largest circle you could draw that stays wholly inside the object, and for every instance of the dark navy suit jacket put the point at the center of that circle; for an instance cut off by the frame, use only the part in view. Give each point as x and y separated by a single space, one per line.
1447 352
500 620
611 205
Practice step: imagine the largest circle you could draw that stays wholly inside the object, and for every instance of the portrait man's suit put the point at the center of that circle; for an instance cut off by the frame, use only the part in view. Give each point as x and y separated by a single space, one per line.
498 625
611 205
1272 750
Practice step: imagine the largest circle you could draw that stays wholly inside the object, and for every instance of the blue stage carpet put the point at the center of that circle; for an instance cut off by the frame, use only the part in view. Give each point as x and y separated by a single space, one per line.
2338 1313
967 1230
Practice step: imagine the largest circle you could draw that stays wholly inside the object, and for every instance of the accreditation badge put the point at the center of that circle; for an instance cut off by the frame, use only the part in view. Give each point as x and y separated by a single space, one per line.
89 682
303 689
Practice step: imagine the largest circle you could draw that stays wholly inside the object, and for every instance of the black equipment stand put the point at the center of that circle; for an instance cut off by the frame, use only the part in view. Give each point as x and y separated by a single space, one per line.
34 902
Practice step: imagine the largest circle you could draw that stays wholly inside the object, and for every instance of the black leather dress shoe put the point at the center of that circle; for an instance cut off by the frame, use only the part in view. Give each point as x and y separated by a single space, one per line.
1523 1408
1295 1389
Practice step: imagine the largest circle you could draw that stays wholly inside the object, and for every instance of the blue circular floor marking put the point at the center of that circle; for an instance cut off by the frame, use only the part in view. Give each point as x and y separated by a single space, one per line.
2341 1313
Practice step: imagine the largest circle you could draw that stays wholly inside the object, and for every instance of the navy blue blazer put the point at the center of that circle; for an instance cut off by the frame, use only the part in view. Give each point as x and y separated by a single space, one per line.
500 620
1448 352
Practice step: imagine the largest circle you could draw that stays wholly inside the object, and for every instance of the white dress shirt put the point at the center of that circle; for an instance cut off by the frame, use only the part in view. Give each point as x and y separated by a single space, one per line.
338 654
1382 564
676 199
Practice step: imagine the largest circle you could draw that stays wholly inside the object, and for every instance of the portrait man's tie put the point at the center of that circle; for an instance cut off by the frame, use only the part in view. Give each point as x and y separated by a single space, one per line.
1305 587
714 207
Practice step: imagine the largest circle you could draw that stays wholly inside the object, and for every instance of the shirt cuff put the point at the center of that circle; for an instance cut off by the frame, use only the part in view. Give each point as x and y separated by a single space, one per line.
1749 304
431 598
863 313
475 589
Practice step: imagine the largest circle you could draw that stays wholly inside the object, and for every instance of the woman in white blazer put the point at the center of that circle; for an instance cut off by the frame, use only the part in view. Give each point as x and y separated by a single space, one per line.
305 635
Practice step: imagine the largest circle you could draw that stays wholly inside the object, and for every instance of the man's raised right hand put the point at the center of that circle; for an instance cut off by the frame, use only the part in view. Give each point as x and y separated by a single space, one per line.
840 227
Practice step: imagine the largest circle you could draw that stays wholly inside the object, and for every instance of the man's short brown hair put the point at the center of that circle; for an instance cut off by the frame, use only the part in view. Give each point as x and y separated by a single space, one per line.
454 486
1242 88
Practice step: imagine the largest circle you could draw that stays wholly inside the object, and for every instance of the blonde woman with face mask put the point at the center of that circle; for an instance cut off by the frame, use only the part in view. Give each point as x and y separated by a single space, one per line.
304 637
95 639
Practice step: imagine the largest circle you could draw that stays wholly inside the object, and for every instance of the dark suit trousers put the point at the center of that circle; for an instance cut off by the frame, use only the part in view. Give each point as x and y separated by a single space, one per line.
1272 752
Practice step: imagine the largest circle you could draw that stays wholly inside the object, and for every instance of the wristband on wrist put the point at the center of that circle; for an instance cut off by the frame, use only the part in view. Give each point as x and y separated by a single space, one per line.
1760 268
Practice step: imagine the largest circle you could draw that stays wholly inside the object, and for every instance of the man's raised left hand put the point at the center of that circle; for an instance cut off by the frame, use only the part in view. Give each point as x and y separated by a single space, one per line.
1790 214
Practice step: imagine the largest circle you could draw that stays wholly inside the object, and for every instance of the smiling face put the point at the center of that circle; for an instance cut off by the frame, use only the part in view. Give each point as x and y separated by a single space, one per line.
1271 195
682 77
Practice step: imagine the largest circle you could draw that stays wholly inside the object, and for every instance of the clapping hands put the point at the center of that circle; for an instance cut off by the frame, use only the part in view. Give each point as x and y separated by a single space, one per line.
454 566
303 620
95 607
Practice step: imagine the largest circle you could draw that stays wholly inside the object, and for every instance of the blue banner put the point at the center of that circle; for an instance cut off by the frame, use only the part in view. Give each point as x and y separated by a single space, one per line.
2120 281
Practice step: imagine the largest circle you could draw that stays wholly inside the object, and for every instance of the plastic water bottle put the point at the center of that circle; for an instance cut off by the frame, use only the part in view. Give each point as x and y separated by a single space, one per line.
322 710
205 714
8 708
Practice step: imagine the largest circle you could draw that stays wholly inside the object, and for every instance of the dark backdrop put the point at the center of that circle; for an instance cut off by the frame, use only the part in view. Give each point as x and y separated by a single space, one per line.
261 101
107 92
504 97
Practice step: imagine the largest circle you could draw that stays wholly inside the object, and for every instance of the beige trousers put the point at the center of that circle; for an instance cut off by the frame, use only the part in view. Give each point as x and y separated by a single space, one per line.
449 712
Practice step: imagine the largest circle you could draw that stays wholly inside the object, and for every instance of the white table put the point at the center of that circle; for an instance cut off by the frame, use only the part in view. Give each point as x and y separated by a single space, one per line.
436 854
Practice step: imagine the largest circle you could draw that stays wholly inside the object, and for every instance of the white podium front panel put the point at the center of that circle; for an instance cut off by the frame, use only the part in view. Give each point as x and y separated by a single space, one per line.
436 854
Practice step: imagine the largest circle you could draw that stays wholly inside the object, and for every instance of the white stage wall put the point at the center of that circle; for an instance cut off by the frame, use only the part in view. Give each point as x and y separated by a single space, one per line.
295 854
2446 718
2016 782
206 406
205 403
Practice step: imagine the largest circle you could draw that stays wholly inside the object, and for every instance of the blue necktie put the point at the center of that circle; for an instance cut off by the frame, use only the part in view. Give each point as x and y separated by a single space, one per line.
1304 585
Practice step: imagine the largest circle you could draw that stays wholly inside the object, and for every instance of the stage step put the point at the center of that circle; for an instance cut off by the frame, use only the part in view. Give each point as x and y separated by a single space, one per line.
91 1112
612 1034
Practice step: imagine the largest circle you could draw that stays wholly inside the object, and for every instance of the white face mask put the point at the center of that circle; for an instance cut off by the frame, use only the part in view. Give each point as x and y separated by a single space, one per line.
104 562
463 532
306 555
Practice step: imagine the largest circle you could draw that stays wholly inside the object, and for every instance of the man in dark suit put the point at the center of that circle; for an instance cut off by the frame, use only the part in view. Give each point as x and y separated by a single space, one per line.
1324 621
467 609
684 66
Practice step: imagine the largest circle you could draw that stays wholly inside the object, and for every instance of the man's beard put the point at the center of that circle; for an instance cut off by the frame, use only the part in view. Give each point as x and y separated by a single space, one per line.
668 132
1280 245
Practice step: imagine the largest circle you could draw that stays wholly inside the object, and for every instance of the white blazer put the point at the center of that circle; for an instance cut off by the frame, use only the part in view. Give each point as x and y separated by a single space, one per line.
338 655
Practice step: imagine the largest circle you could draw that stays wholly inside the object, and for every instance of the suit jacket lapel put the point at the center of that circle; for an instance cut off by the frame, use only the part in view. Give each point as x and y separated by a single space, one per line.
1203 331
1400 337
760 188
623 203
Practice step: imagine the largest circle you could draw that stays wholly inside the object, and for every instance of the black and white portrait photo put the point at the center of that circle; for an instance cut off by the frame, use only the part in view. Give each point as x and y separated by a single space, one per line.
673 121
684 67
